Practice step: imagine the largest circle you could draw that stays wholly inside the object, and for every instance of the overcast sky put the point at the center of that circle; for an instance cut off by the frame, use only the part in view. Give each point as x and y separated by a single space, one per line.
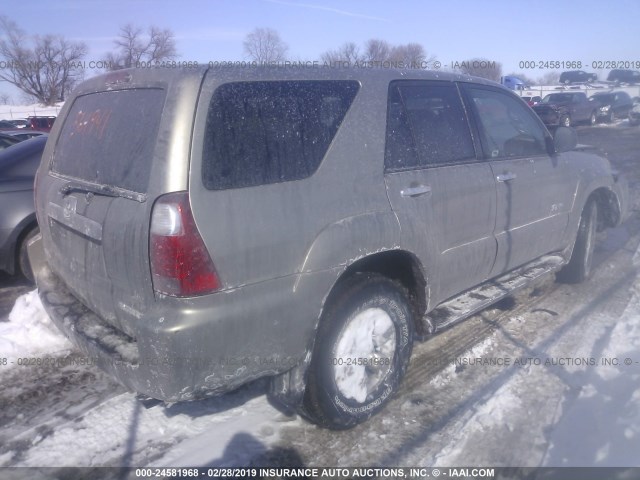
452 30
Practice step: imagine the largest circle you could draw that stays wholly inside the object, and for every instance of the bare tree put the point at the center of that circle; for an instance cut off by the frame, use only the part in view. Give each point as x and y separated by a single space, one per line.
46 71
5 99
133 46
376 50
480 67
549 78
412 55
347 53
379 52
264 45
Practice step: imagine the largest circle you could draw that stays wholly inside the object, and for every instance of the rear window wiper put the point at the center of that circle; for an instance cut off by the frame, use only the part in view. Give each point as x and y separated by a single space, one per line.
102 190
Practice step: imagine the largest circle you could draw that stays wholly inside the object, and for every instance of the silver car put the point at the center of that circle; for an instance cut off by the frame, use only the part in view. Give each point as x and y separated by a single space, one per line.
203 228
18 165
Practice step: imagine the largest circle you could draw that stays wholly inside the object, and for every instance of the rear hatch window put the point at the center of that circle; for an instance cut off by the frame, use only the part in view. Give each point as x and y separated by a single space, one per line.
108 138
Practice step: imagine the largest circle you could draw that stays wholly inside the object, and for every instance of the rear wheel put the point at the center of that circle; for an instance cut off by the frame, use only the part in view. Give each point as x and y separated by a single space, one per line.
579 267
362 352
24 265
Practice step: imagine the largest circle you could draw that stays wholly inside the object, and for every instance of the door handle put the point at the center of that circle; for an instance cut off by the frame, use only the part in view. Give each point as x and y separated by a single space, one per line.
415 191
505 177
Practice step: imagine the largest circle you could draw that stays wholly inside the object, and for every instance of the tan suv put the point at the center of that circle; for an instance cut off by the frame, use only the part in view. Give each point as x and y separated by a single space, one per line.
300 224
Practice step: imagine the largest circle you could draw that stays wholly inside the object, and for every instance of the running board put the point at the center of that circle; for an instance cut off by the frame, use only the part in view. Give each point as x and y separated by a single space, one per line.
472 301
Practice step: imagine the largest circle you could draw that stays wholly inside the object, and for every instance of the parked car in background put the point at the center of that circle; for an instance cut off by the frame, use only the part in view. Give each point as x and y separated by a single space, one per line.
300 224
577 76
565 109
20 122
531 101
624 76
23 133
7 140
634 114
612 105
18 165
43 124
6 125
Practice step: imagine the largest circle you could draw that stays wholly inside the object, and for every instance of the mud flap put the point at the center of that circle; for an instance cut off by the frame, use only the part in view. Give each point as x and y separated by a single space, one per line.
35 251
286 390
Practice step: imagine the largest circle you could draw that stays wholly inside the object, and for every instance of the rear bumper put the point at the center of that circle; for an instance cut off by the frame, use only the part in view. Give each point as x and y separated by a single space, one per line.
189 348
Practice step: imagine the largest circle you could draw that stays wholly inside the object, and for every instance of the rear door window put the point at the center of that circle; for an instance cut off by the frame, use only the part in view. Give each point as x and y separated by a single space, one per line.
426 126
108 138
260 133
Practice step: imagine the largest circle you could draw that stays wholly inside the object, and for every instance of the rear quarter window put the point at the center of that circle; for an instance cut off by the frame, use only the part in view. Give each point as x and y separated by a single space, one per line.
108 138
260 133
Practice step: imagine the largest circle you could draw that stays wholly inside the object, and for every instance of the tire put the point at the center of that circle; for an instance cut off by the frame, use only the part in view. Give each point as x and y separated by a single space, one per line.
23 264
593 118
565 121
579 267
371 319
612 117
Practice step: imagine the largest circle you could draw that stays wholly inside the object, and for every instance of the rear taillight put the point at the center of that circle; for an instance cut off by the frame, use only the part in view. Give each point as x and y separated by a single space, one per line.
180 263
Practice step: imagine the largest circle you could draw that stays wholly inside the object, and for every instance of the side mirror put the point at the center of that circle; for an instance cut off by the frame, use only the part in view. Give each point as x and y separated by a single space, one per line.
564 139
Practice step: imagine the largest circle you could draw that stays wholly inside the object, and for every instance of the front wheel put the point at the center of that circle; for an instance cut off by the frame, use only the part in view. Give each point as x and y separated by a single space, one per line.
362 351
579 267
565 121
593 119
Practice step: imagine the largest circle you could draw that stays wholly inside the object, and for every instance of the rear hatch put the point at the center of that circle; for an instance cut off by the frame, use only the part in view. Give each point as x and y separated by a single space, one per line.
95 192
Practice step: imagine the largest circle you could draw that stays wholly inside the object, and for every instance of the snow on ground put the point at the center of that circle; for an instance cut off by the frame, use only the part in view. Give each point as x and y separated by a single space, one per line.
571 414
604 418
446 375
29 331
15 112
120 431
569 410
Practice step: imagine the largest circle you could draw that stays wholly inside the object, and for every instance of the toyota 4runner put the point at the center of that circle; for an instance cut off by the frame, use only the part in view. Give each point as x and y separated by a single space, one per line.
301 224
